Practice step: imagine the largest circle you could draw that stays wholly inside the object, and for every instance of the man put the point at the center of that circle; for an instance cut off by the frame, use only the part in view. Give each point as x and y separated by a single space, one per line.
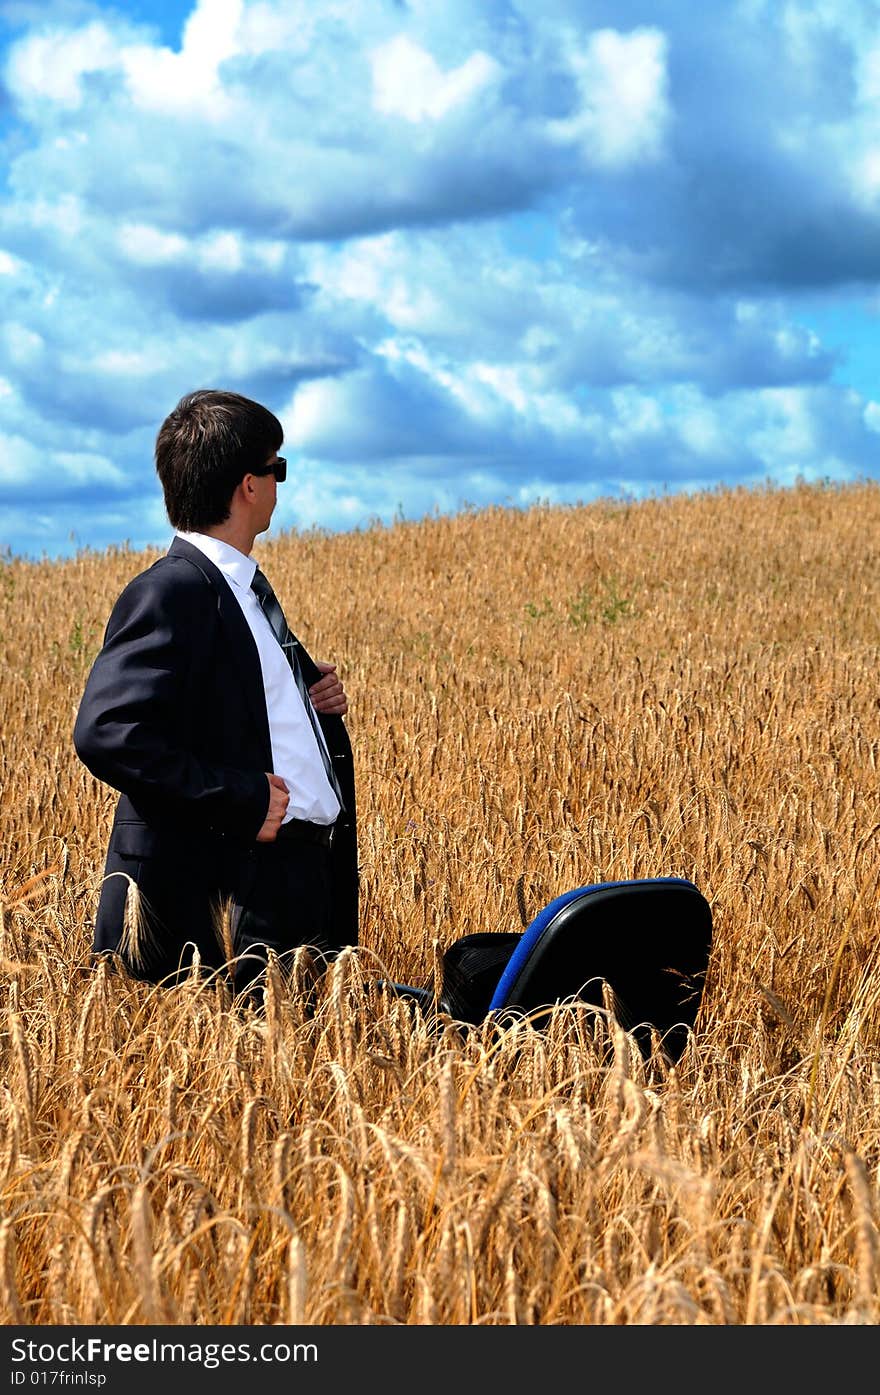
235 828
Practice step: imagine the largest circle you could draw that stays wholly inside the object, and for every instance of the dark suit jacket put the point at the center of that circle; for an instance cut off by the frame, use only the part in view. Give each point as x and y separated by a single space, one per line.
174 717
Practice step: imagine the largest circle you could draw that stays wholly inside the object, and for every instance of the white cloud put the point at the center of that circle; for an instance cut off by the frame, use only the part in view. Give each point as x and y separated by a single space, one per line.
51 67
125 363
700 430
867 76
505 381
54 66
221 252
624 110
313 409
865 175
19 458
787 426
62 217
147 246
408 82
871 416
162 80
86 467
23 345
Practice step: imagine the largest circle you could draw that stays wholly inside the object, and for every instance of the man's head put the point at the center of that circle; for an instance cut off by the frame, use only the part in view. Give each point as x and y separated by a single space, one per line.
204 449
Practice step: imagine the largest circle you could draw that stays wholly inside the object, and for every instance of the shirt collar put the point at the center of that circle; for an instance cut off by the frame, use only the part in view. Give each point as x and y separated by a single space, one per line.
234 565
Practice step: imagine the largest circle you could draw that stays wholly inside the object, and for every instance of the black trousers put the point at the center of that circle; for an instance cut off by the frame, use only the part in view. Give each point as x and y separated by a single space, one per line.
271 896
285 900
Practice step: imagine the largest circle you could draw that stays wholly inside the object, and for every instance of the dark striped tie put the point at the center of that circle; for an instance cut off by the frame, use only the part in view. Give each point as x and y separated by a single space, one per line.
271 608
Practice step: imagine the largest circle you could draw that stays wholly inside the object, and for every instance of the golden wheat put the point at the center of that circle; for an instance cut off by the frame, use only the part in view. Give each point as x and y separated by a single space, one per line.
539 700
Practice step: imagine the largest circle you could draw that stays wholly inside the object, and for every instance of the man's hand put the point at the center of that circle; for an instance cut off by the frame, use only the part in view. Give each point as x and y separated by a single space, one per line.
279 798
328 694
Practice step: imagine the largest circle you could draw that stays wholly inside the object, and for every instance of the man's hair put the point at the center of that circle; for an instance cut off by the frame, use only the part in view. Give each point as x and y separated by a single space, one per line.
204 449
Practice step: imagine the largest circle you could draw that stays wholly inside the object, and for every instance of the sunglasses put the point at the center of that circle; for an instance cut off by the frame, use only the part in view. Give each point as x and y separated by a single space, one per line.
278 468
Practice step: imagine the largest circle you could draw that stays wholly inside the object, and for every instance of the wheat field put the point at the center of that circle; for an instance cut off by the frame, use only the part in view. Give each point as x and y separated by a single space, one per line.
540 699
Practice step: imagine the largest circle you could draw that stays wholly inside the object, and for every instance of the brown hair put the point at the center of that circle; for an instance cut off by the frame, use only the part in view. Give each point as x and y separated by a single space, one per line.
204 449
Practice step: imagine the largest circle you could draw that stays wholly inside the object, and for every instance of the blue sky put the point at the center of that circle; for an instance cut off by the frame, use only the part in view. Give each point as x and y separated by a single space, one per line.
469 252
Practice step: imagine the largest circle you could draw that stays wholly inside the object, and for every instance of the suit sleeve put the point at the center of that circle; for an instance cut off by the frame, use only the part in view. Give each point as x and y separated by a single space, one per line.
130 730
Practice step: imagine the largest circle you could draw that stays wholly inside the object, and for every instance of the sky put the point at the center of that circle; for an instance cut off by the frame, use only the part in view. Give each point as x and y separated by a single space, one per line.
470 252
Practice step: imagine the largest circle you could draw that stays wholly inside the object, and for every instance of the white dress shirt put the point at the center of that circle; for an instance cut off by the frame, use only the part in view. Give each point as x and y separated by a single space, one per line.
295 755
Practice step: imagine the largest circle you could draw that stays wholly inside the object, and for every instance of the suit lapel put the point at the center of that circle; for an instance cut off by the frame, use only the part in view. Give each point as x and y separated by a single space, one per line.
241 641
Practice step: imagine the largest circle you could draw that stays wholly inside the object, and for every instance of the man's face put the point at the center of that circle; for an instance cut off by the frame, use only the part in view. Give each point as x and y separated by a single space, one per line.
266 487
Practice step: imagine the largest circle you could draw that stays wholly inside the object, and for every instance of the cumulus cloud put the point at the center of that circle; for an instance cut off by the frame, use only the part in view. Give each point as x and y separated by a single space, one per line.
408 82
485 252
621 81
